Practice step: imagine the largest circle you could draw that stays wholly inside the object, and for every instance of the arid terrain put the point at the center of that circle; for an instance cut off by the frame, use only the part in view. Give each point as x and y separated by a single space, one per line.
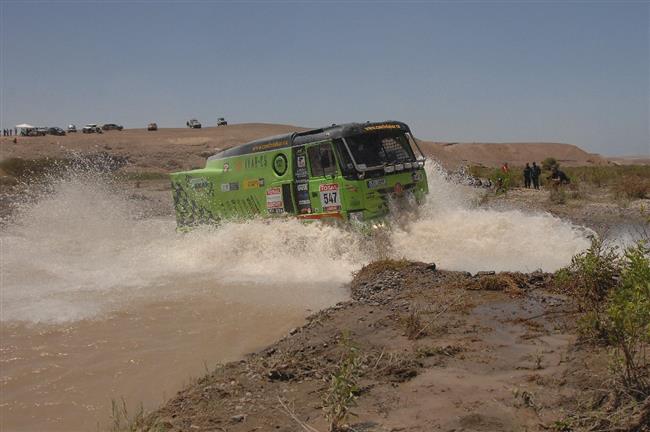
173 149
429 348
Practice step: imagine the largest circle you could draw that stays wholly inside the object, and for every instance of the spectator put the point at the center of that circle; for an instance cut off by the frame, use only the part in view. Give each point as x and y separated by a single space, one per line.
558 177
527 175
535 172
504 168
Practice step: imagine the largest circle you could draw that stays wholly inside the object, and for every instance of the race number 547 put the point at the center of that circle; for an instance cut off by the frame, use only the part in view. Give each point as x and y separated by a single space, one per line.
330 198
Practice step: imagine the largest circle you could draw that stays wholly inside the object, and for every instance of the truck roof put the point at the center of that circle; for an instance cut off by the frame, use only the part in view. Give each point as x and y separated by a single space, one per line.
299 138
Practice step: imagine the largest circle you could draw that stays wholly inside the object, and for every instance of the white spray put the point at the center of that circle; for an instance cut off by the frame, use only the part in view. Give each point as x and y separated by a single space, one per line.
84 249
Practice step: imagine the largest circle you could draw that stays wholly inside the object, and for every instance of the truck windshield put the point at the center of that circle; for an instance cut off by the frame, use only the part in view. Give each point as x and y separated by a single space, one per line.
377 149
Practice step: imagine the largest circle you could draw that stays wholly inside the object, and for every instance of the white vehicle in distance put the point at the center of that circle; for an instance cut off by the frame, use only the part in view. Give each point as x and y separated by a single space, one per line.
193 124
72 128
91 128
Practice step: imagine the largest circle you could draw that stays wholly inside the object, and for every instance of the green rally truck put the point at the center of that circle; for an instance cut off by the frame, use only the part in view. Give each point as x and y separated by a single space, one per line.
353 172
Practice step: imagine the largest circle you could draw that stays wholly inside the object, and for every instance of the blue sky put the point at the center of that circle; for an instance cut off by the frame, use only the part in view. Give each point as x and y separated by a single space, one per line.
574 72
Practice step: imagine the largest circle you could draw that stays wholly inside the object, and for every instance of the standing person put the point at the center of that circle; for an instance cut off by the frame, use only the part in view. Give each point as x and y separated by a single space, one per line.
527 175
16 131
534 175
504 168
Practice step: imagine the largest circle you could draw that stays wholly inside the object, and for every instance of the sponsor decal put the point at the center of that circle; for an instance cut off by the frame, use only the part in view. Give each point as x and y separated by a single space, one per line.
258 161
229 187
226 167
280 164
375 183
253 183
301 180
197 183
271 145
417 176
382 126
239 165
274 203
330 198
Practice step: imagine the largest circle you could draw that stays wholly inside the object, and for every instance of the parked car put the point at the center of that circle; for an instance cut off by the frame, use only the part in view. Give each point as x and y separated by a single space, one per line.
112 126
34 132
42 131
72 128
91 128
56 131
193 124
152 127
222 122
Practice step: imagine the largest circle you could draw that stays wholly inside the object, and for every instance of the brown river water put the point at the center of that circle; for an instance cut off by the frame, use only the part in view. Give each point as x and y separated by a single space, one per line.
63 377
99 302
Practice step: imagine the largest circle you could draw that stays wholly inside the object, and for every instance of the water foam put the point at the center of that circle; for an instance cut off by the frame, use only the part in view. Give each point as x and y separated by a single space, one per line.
85 249
452 231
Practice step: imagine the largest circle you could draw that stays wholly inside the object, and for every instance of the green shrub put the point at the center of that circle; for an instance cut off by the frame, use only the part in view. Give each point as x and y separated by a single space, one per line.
589 279
342 393
501 181
549 163
613 294
628 320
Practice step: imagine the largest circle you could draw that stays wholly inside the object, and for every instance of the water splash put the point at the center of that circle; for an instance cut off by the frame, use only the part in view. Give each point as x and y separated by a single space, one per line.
452 231
84 248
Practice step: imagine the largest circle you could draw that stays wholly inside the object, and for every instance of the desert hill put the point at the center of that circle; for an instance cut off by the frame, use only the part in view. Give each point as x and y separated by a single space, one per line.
170 149
516 154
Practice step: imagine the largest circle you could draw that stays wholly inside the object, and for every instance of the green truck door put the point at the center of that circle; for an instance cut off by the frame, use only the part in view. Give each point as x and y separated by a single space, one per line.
324 182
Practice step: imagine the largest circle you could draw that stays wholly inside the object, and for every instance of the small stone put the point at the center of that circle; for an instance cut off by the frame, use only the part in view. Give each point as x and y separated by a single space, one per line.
238 418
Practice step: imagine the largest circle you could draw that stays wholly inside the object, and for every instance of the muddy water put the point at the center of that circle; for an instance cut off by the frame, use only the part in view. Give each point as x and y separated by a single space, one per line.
100 302
63 377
